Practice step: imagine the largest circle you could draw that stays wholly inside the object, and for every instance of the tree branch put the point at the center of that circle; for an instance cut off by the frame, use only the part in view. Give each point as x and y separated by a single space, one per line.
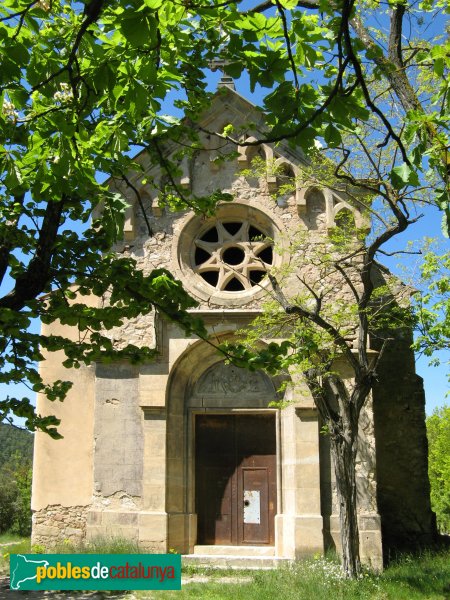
346 12
139 199
395 76
6 242
37 275
288 44
395 54
310 4
291 309
348 281
92 12
269 139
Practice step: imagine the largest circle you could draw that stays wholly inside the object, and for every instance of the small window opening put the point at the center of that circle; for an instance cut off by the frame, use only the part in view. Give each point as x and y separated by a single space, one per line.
211 235
266 255
254 234
201 256
345 220
234 285
232 228
233 255
256 277
211 277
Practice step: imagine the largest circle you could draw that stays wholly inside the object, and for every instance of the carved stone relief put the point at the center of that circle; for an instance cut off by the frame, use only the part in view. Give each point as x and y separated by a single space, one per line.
224 380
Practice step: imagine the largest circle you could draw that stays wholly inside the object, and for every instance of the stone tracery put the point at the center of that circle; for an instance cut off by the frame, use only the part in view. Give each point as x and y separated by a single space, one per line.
232 256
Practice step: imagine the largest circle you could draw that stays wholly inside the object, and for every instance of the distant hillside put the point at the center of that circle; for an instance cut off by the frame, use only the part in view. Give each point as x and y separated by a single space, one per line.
14 440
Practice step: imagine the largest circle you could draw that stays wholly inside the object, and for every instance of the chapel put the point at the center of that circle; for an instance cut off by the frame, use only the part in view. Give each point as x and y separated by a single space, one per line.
192 455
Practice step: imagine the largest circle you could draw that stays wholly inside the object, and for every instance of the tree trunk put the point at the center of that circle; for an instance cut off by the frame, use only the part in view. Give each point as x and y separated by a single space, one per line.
343 449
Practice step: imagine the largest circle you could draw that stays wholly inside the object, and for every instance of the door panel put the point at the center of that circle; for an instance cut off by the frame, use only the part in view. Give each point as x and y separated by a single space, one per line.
235 464
216 522
254 508
214 460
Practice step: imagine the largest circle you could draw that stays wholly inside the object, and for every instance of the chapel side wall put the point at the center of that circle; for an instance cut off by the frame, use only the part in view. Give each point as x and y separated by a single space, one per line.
402 450
63 469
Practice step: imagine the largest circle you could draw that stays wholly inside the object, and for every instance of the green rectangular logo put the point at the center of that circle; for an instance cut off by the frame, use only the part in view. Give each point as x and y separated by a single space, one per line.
95 571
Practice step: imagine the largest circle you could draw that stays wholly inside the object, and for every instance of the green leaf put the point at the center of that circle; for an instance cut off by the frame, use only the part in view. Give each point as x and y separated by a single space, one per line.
153 4
439 66
289 4
332 136
403 175
139 30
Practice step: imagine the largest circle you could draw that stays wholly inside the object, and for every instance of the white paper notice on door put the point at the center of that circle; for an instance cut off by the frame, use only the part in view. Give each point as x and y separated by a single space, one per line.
252 506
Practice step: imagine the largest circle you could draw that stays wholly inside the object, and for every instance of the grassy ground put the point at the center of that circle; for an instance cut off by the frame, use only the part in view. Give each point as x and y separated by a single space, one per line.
7 538
425 577
410 578
11 544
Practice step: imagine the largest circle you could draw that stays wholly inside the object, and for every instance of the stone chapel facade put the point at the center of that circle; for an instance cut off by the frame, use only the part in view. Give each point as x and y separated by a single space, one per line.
186 452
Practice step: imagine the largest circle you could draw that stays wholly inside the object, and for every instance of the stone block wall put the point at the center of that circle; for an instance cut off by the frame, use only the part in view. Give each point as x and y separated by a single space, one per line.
402 450
58 524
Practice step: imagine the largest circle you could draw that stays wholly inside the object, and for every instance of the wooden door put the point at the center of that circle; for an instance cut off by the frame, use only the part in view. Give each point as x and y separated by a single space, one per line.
235 479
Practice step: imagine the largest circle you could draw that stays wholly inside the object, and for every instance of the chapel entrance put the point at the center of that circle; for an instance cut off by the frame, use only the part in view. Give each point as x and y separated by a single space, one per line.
236 479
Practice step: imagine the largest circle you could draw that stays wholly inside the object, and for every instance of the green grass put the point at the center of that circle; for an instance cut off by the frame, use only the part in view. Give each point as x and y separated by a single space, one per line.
6 538
21 545
99 545
424 577
410 578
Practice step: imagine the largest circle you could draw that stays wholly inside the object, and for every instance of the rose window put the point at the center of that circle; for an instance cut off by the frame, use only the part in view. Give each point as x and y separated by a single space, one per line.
232 256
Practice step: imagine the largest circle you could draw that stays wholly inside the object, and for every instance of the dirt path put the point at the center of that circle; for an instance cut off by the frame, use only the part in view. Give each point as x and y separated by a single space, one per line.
7 594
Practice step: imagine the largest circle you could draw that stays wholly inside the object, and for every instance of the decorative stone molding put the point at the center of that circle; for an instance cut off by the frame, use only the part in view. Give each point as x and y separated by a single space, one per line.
156 208
307 412
185 181
129 227
222 380
154 412
334 204
247 153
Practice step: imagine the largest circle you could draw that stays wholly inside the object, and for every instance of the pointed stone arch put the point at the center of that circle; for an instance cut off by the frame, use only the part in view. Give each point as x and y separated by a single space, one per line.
340 206
291 171
248 152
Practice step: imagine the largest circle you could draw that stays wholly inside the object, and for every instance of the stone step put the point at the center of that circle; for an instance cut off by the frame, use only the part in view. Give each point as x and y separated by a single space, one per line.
235 550
227 561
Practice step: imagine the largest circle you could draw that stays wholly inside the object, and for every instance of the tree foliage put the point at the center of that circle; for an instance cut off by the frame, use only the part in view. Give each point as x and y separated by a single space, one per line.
77 93
13 440
432 305
15 494
438 431
16 455
82 85
345 306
